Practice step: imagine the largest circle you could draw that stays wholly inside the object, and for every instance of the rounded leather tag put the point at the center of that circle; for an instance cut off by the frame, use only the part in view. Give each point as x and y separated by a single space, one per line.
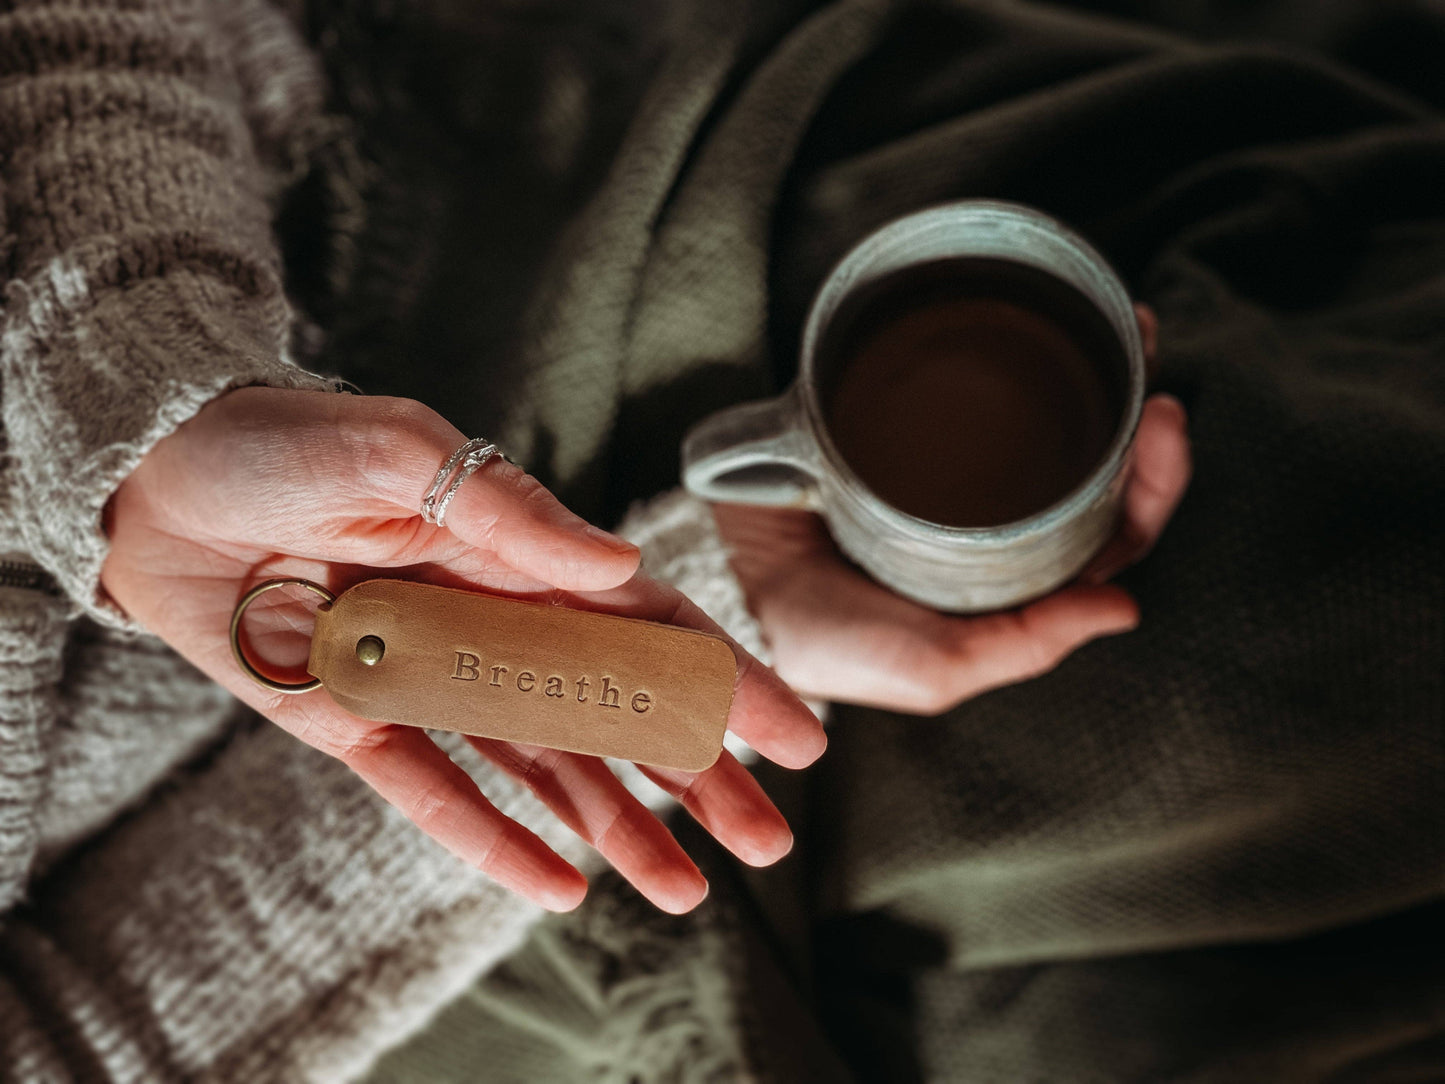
436 657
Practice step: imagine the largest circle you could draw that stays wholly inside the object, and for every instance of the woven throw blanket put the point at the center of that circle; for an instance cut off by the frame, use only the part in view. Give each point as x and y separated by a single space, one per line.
1209 850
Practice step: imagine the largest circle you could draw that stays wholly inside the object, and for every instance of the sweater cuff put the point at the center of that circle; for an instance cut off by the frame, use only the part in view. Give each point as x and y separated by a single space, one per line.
93 382
681 545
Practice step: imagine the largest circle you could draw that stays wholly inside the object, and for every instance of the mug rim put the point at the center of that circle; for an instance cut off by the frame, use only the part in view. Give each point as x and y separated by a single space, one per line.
1109 465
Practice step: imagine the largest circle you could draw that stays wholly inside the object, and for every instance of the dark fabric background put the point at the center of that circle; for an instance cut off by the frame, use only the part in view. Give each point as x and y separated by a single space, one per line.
1210 850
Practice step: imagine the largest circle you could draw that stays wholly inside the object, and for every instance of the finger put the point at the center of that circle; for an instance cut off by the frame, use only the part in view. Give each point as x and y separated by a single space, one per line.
765 712
342 477
880 650
1149 336
1015 645
839 635
1161 472
768 715
1162 467
498 507
730 804
590 800
504 509
406 768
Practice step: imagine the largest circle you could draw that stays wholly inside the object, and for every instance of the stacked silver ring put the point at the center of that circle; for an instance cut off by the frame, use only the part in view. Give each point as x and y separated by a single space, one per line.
471 456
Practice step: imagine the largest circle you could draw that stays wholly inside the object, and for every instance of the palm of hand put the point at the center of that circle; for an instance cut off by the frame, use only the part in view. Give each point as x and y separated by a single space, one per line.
269 483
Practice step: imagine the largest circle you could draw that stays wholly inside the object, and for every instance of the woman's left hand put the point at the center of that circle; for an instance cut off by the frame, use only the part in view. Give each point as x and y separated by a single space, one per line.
837 635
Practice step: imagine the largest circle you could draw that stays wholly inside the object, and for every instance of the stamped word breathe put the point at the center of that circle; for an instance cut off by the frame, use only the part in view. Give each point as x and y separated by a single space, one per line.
516 670
606 695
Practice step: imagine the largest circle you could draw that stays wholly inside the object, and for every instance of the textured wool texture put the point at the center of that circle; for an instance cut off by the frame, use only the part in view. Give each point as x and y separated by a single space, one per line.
262 914
1209 851
188 892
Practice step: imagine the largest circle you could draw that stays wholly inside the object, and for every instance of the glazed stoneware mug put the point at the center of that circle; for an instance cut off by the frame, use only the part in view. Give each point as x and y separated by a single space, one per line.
784 451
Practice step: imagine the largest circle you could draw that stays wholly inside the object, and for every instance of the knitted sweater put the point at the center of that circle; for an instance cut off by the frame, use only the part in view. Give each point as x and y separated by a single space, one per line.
1071 879
186 891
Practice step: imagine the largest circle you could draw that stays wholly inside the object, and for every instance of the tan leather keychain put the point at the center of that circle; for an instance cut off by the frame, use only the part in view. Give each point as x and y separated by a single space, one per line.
410 653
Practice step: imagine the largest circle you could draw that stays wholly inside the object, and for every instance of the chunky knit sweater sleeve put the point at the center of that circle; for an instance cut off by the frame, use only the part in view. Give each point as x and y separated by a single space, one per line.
186 892
262 914
141 279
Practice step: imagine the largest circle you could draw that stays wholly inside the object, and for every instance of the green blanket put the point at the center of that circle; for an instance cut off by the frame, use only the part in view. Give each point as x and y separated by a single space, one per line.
1210 850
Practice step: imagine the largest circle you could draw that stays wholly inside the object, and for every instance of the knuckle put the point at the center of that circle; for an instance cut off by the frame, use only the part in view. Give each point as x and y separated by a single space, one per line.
536 769
504 840
430 811
1044 654
404 416
535 499
621 823
516 481
688 613
678 785
690 794
532 491
945 667
946 647
539 502
396 440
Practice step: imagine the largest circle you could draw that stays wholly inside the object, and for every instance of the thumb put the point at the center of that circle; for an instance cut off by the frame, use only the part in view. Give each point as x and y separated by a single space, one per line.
498 507
502 508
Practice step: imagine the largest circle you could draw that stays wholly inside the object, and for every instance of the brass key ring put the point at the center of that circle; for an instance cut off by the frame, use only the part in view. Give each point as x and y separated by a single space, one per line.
245 663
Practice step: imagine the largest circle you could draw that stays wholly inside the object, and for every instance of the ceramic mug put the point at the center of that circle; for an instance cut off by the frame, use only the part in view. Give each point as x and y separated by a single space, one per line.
779 452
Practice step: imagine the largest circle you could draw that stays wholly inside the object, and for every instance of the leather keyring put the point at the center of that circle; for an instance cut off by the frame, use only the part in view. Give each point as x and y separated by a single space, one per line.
418 655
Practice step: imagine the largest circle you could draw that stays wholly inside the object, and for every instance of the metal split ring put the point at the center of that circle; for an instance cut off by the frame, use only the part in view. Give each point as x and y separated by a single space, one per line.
244 663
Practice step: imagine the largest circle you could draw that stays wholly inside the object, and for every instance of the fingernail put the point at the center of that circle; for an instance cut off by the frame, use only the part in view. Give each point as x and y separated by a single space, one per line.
765 850
787 846
1128 624
564 899
607 538
681 902
1174 403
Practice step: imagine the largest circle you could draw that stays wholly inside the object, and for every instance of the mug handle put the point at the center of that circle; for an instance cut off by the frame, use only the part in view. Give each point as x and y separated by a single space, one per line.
765 433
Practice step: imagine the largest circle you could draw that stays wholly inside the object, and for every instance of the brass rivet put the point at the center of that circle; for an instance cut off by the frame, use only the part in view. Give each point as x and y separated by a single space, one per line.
370 649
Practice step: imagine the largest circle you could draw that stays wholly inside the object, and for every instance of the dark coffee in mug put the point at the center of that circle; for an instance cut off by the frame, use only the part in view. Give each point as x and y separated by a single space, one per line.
972 392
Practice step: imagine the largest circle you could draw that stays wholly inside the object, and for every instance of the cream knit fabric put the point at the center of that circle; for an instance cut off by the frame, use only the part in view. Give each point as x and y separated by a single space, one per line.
188 892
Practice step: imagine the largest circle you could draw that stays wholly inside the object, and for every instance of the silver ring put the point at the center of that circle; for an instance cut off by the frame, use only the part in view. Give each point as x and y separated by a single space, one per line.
471 456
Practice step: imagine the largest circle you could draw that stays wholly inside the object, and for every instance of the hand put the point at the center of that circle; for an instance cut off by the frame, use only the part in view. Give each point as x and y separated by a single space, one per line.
265 482
838 635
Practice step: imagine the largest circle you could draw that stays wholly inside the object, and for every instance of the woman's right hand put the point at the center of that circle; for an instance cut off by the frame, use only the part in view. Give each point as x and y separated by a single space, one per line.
265 482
